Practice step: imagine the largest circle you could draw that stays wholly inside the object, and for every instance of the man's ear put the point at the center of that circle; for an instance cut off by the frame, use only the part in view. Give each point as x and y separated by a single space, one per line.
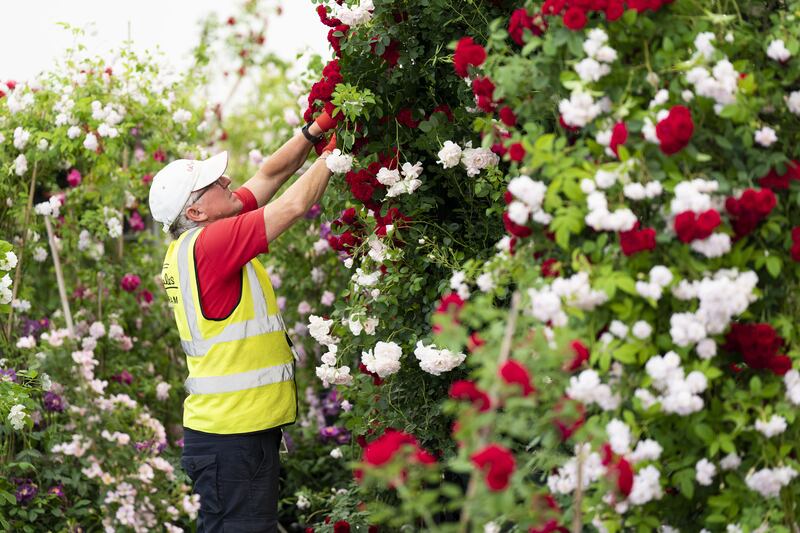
196 214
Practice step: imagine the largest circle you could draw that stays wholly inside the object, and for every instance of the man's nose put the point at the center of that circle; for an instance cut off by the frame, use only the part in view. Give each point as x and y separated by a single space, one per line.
224 181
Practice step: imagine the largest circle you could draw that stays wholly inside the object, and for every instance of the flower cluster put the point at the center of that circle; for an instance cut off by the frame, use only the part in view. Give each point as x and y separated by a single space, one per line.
747 211
759 346
679 393
436 361
473 159
600 56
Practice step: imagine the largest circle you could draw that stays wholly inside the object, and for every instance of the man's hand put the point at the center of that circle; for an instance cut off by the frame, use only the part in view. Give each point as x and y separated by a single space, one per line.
324 145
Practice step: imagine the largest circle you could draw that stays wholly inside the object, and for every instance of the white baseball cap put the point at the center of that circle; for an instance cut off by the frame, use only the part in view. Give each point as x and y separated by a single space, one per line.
174 183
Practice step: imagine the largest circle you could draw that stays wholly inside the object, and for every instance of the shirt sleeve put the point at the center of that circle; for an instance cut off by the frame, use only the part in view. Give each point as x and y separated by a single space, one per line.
248 199
226 245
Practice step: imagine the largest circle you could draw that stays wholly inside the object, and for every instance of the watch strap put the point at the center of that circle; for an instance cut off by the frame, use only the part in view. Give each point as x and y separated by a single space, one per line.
307 134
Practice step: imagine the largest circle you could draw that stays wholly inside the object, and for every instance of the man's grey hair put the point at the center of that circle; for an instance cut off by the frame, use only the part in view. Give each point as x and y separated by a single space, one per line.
184 223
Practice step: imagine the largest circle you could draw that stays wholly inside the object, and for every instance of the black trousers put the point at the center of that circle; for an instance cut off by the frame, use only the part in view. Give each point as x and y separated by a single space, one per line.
236 477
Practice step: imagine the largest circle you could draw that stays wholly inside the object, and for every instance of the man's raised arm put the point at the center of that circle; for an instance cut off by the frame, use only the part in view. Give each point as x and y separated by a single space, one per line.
295 202
281 165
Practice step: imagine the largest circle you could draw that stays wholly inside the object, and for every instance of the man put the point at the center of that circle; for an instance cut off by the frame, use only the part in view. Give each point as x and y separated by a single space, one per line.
241 386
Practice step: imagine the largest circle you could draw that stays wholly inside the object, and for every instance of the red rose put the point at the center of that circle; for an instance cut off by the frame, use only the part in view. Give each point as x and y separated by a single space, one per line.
467 390
322 11
507 116
581 356
614 10
520 21
424 457
643 5
747 211
618 136
574 18
780 364
706 223
483 89
516 152
776 181
758 344
450 303
550 268
675 131
689 226
391 52
514 373
468 53
362 191
382 450
475 341
624 475
404 117
342 526
636 240
498 464
515 229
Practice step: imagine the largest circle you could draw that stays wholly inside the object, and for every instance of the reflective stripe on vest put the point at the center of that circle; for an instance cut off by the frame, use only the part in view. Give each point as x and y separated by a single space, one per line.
260 324
242 381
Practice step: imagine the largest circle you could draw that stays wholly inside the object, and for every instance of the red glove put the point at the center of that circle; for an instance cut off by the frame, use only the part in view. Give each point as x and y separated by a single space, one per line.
326 145
326 122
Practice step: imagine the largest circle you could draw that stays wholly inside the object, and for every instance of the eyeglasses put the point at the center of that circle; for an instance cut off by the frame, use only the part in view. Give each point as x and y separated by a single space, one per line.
208 188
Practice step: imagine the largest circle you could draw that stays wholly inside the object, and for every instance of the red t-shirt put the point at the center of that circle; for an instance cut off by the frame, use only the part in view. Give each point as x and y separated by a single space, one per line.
222 249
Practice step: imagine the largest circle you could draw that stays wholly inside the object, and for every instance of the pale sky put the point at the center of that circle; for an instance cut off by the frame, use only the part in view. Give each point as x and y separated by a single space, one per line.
30 40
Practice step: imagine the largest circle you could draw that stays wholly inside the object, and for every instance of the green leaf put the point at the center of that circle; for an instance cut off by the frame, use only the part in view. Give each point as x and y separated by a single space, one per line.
626 353
685 481
755 385
774 265
705 432
726 443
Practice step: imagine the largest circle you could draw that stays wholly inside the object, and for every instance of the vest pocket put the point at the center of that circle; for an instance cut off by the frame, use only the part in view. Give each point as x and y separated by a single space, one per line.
202 470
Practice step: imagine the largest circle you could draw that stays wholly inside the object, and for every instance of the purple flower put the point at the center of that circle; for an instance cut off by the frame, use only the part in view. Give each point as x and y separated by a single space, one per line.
53 402
74 178
39 423
130 282
57 490
329 432
8 374
330 404
314 212
324 230
334 433
32 327
123 377
26 490
179 442
343 437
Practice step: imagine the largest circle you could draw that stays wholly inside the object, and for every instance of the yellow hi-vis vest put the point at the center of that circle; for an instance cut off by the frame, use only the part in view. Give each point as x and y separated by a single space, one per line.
241 368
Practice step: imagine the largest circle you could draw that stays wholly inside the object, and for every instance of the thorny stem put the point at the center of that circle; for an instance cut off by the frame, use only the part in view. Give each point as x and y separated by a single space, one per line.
577 520
18 272
505 351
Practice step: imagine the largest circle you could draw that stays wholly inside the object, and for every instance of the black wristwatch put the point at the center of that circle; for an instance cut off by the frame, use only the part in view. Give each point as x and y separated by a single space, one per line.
311 138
